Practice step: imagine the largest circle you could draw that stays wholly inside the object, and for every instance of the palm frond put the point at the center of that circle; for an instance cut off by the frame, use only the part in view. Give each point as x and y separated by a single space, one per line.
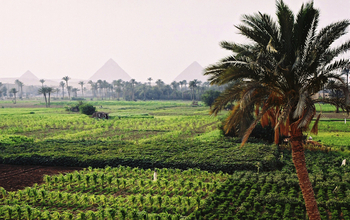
300 106
314 129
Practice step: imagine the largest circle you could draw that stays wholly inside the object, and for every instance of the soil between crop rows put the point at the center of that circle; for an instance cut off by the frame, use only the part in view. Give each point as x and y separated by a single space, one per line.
15 177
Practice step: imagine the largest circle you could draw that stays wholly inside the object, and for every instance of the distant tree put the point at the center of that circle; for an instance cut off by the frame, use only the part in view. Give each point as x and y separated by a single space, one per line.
100 86
20 87
81 83
43 91
49 90
150 81
159 83
336 93
132 82
193 85
14 92
42 82
57 91
69 90
62 84
209 97
75 92
4 91
175 85
143 90
66 79
94 88
199 88
184 82
117 88
1 89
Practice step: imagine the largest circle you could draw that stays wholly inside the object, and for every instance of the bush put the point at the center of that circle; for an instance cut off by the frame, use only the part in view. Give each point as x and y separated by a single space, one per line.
209 97
87 109
78 99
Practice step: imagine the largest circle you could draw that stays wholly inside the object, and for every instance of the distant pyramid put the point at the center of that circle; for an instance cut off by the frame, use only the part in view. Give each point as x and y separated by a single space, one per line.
28 78
193 71
28 75
110 71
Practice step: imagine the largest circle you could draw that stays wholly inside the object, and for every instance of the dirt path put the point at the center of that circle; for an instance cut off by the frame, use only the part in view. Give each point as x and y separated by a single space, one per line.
15 177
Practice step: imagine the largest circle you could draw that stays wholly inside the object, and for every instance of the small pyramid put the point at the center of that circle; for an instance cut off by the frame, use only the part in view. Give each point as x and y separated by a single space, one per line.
110 71
193 71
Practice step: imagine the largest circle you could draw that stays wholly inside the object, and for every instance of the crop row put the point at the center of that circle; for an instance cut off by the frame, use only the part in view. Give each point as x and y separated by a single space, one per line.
112 192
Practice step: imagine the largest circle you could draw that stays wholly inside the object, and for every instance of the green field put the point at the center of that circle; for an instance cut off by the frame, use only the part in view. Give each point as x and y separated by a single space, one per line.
201 174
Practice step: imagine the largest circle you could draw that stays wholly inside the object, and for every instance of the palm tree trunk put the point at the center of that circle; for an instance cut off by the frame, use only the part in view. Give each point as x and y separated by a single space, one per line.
45 100
298 156
49 100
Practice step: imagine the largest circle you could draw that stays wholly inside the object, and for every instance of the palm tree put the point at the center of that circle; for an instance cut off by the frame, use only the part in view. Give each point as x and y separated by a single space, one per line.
57 91
66 78
20 87
167 89
81 83
14 92
44 91
42 82
75 92
62 86
132 82
287 63
49 90
118 84
193 85
150 81
100 85
184 82
69 89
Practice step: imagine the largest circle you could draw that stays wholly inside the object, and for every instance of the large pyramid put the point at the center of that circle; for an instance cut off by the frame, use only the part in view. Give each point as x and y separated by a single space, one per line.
110 71
28 78
193 71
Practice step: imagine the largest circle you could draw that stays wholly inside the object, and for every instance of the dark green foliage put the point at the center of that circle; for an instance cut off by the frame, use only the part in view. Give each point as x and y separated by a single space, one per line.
219 155
78 99
277 197
87 109
209 97
75 107
265 134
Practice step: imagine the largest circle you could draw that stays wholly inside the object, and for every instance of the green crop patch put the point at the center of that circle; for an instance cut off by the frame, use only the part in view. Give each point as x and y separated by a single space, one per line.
118 192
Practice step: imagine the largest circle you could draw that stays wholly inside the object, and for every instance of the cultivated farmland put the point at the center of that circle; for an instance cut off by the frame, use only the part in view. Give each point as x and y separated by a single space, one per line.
200 174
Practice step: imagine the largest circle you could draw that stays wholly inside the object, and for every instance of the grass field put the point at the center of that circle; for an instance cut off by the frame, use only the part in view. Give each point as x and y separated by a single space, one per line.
200 173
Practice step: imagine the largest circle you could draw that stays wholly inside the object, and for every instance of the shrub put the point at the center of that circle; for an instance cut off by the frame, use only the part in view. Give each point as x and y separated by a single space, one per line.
209 97
78 99
87 109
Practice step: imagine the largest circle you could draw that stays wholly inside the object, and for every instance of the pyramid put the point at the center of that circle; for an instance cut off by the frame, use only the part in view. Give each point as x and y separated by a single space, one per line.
110 71
193 71
28 78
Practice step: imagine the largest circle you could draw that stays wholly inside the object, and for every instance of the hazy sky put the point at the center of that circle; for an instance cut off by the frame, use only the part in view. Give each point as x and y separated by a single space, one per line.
147 38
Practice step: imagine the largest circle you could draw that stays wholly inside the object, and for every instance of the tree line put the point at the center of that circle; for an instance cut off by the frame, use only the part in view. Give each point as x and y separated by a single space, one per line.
116 90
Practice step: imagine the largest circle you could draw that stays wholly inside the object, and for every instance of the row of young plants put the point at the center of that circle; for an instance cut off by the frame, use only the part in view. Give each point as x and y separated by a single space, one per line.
277 195
113 193
22 124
